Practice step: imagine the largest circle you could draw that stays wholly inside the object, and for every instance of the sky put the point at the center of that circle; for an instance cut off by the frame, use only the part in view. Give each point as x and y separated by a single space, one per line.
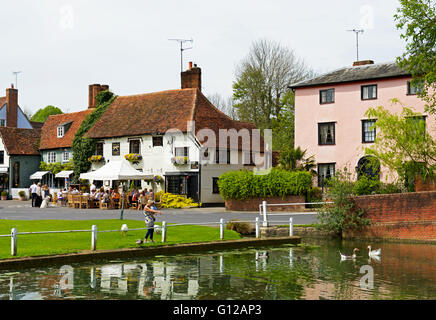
62 46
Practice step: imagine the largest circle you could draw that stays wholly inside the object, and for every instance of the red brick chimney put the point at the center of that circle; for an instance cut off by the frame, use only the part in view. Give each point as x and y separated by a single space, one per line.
94 90
11 106
362 63
191 78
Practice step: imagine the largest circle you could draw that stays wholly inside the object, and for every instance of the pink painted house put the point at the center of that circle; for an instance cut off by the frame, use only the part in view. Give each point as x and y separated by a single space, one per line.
330 120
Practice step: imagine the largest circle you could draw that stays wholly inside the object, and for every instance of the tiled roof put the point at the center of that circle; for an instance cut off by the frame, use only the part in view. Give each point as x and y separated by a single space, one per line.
20 141
2 101
352 74
155 113
49 135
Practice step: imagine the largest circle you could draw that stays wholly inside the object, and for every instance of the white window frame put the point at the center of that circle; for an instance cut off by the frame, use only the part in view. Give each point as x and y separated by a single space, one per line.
66 156
61 131
51 157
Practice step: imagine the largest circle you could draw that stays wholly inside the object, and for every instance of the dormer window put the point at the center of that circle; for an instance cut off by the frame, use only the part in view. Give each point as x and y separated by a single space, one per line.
61 131
63 128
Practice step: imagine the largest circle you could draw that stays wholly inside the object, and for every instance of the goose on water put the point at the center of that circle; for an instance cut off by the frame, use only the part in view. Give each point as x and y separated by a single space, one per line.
353 256
374 252
264 255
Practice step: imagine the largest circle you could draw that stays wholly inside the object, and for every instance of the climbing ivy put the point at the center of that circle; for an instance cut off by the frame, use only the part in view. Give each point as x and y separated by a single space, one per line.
56 167
84 147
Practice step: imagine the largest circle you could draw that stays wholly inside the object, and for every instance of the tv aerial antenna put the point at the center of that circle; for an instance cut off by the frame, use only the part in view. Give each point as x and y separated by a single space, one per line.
182 41
16 73
357 40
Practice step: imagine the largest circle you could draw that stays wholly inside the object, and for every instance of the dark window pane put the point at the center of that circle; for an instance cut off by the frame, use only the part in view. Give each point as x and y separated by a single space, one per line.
215 188
157 141
327 96
368 131
325 172
99 149
134 146
326 133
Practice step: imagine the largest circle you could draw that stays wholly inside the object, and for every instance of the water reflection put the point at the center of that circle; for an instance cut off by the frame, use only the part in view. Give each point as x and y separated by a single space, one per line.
284 272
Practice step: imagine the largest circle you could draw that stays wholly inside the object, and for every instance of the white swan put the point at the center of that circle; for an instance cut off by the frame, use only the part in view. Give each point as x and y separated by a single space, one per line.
263 255
353 256
374 252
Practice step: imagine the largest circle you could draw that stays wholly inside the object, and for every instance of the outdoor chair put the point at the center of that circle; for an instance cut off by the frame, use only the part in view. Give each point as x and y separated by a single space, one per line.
76 201
103 205
83 202
70 201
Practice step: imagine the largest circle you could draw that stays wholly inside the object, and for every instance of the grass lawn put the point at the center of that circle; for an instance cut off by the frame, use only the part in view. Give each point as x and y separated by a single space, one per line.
58 243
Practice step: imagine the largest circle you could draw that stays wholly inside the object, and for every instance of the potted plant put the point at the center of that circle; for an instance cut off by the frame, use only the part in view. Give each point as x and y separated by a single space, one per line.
179 160
133 157
96 158
4 195
22 195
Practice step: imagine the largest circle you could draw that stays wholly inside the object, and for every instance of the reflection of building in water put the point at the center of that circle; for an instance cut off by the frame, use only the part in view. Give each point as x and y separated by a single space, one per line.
157 279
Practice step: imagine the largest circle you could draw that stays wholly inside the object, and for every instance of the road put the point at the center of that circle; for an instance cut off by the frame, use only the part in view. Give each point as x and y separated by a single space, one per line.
22 210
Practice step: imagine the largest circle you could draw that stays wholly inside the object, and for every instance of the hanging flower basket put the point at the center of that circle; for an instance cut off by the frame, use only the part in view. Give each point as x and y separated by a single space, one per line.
157 179
133 157
178 161
98 158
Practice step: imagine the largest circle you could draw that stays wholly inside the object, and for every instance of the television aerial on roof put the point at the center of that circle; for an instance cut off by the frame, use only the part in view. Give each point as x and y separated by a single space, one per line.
182 41
357 40
16 73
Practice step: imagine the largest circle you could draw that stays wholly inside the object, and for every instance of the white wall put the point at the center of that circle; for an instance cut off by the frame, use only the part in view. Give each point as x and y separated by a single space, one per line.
155 160
6 155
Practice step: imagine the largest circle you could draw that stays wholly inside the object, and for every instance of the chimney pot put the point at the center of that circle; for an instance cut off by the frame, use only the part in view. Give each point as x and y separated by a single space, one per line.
191 78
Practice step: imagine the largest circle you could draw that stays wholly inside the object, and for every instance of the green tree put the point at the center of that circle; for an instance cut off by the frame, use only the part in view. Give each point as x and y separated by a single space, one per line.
260 91
402 142
42 114
417 19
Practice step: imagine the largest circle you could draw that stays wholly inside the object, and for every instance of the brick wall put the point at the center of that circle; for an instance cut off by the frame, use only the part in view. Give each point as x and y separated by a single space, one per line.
253 204
410 216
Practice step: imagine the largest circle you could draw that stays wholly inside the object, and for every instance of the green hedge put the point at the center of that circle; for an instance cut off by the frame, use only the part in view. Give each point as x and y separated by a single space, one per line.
245 184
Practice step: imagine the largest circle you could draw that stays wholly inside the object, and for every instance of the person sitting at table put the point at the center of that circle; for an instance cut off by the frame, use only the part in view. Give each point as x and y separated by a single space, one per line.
116 195
135 197
106 197
142 200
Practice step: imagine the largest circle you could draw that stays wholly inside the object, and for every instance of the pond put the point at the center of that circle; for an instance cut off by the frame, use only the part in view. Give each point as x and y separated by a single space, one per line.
312 270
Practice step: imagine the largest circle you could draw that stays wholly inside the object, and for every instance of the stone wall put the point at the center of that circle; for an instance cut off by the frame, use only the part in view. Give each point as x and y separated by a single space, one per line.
252 204
403 216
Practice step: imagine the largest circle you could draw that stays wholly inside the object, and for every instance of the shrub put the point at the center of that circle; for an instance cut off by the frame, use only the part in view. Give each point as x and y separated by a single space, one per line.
158 195
366 185
240 227
4 193
169 200
342 214
395 187
244 184
21 193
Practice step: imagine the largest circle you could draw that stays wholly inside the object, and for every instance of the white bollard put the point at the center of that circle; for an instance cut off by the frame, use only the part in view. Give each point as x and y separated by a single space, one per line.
221 229
13 242
94 238
265 218
291 227
164 231
257 223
